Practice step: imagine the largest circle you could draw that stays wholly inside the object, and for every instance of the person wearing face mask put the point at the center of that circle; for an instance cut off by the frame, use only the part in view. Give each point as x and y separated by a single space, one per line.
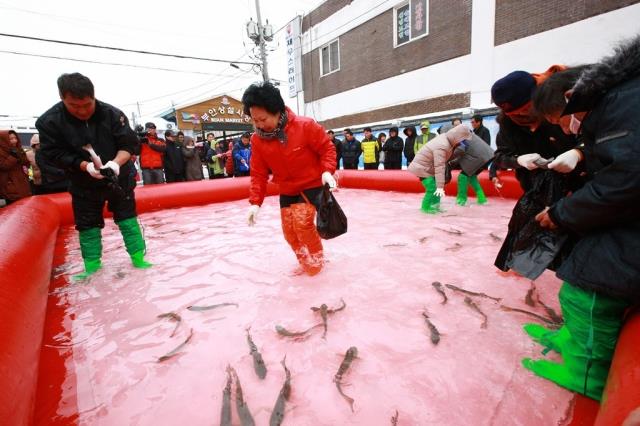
430 162
524 141
601 276
302 159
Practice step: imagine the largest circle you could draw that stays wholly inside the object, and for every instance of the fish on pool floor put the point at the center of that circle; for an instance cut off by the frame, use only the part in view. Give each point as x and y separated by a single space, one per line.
349 356
394 419
455 247
225 414
451 231
471 293
495 237
177 349
206 308
435 334
528 299
258 363
438 286
173 317
470 303
531 314
277 415
551 312
286 333
246 419
395 245
325 311
423 240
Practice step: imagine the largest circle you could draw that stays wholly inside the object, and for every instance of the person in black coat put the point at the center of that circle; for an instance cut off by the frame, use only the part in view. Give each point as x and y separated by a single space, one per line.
409 143
479 129
337 143
351 151
602 273
174 166
393 150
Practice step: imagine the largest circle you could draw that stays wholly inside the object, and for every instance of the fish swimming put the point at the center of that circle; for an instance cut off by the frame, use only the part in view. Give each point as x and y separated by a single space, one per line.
206 308
552 314
277 415
438 286
435 334
349 356
286 333
472 305
258 362
246 419
225 415
423 240
455 247
331 310
451 231
472 293
177 349
173 317
495 237
528 299
531 314
394 419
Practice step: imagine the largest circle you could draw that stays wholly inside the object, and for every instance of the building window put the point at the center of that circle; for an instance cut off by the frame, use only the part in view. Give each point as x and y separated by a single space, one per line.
411 20
330 58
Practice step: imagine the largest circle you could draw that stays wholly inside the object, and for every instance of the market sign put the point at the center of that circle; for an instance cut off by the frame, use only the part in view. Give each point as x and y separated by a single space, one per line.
294 57
223 110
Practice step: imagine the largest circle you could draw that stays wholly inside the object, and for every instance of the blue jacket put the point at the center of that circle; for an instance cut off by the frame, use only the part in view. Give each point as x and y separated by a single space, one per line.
241 152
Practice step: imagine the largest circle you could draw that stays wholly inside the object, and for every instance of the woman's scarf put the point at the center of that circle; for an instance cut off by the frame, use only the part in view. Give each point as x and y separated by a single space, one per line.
278 132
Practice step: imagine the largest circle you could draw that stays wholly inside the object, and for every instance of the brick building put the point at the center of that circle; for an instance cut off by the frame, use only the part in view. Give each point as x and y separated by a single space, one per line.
370 62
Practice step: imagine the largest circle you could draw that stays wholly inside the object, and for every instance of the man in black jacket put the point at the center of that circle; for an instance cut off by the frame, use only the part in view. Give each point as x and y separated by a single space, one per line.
393 150
173 159
479 129
92 141
337 143
409 143
602 274
351 151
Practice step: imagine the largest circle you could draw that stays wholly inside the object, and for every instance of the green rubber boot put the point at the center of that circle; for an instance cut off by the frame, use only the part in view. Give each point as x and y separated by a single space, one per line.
133 241
552 340
593 323
430 202
91 249
480 197
461 198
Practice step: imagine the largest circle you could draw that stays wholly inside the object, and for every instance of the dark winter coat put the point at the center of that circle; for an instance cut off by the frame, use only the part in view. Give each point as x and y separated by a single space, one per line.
605 212
173 159
193 166
409 144
512 141
483 133
14 183
393 152
337 143
53 178
351 152
62 137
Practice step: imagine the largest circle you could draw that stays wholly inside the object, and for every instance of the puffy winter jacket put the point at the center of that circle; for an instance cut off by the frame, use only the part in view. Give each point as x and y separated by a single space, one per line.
297 164
14 183
152 152
370 150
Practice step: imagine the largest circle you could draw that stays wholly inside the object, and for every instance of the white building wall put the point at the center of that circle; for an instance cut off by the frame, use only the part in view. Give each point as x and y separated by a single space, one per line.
581 42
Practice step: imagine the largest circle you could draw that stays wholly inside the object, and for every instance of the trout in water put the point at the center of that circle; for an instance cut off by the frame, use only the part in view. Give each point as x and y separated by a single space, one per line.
435 334
423 240
206 308
394 419
495 237
531 314
528 299
246 419
552 314
278 410
472 293
470 303
173 317
331 310
225 415
455 247
286 333
438 286
258 362
349 356
177 349
451 231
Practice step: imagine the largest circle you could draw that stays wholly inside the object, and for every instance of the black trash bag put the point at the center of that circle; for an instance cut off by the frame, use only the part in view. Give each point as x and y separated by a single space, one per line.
528 248
330 220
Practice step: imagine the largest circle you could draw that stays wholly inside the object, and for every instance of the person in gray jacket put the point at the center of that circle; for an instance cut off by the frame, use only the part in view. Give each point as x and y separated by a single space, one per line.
430 162
193 166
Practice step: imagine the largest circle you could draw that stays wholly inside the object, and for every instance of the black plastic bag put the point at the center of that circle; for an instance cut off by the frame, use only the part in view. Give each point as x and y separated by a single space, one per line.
528 248
330 220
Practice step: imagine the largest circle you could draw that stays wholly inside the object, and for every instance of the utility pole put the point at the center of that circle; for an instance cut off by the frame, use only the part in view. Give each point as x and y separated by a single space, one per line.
261 43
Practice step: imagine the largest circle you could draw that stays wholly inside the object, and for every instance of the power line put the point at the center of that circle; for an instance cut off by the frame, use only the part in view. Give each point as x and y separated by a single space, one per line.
106 63
120 49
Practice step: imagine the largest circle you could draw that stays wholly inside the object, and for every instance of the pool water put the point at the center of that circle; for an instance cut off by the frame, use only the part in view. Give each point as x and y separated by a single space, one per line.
110 337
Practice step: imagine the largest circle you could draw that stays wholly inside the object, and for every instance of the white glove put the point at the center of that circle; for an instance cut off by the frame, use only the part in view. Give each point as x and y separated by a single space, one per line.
91 169
113 166
528 160
328 178
252 217
439 192
566 162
